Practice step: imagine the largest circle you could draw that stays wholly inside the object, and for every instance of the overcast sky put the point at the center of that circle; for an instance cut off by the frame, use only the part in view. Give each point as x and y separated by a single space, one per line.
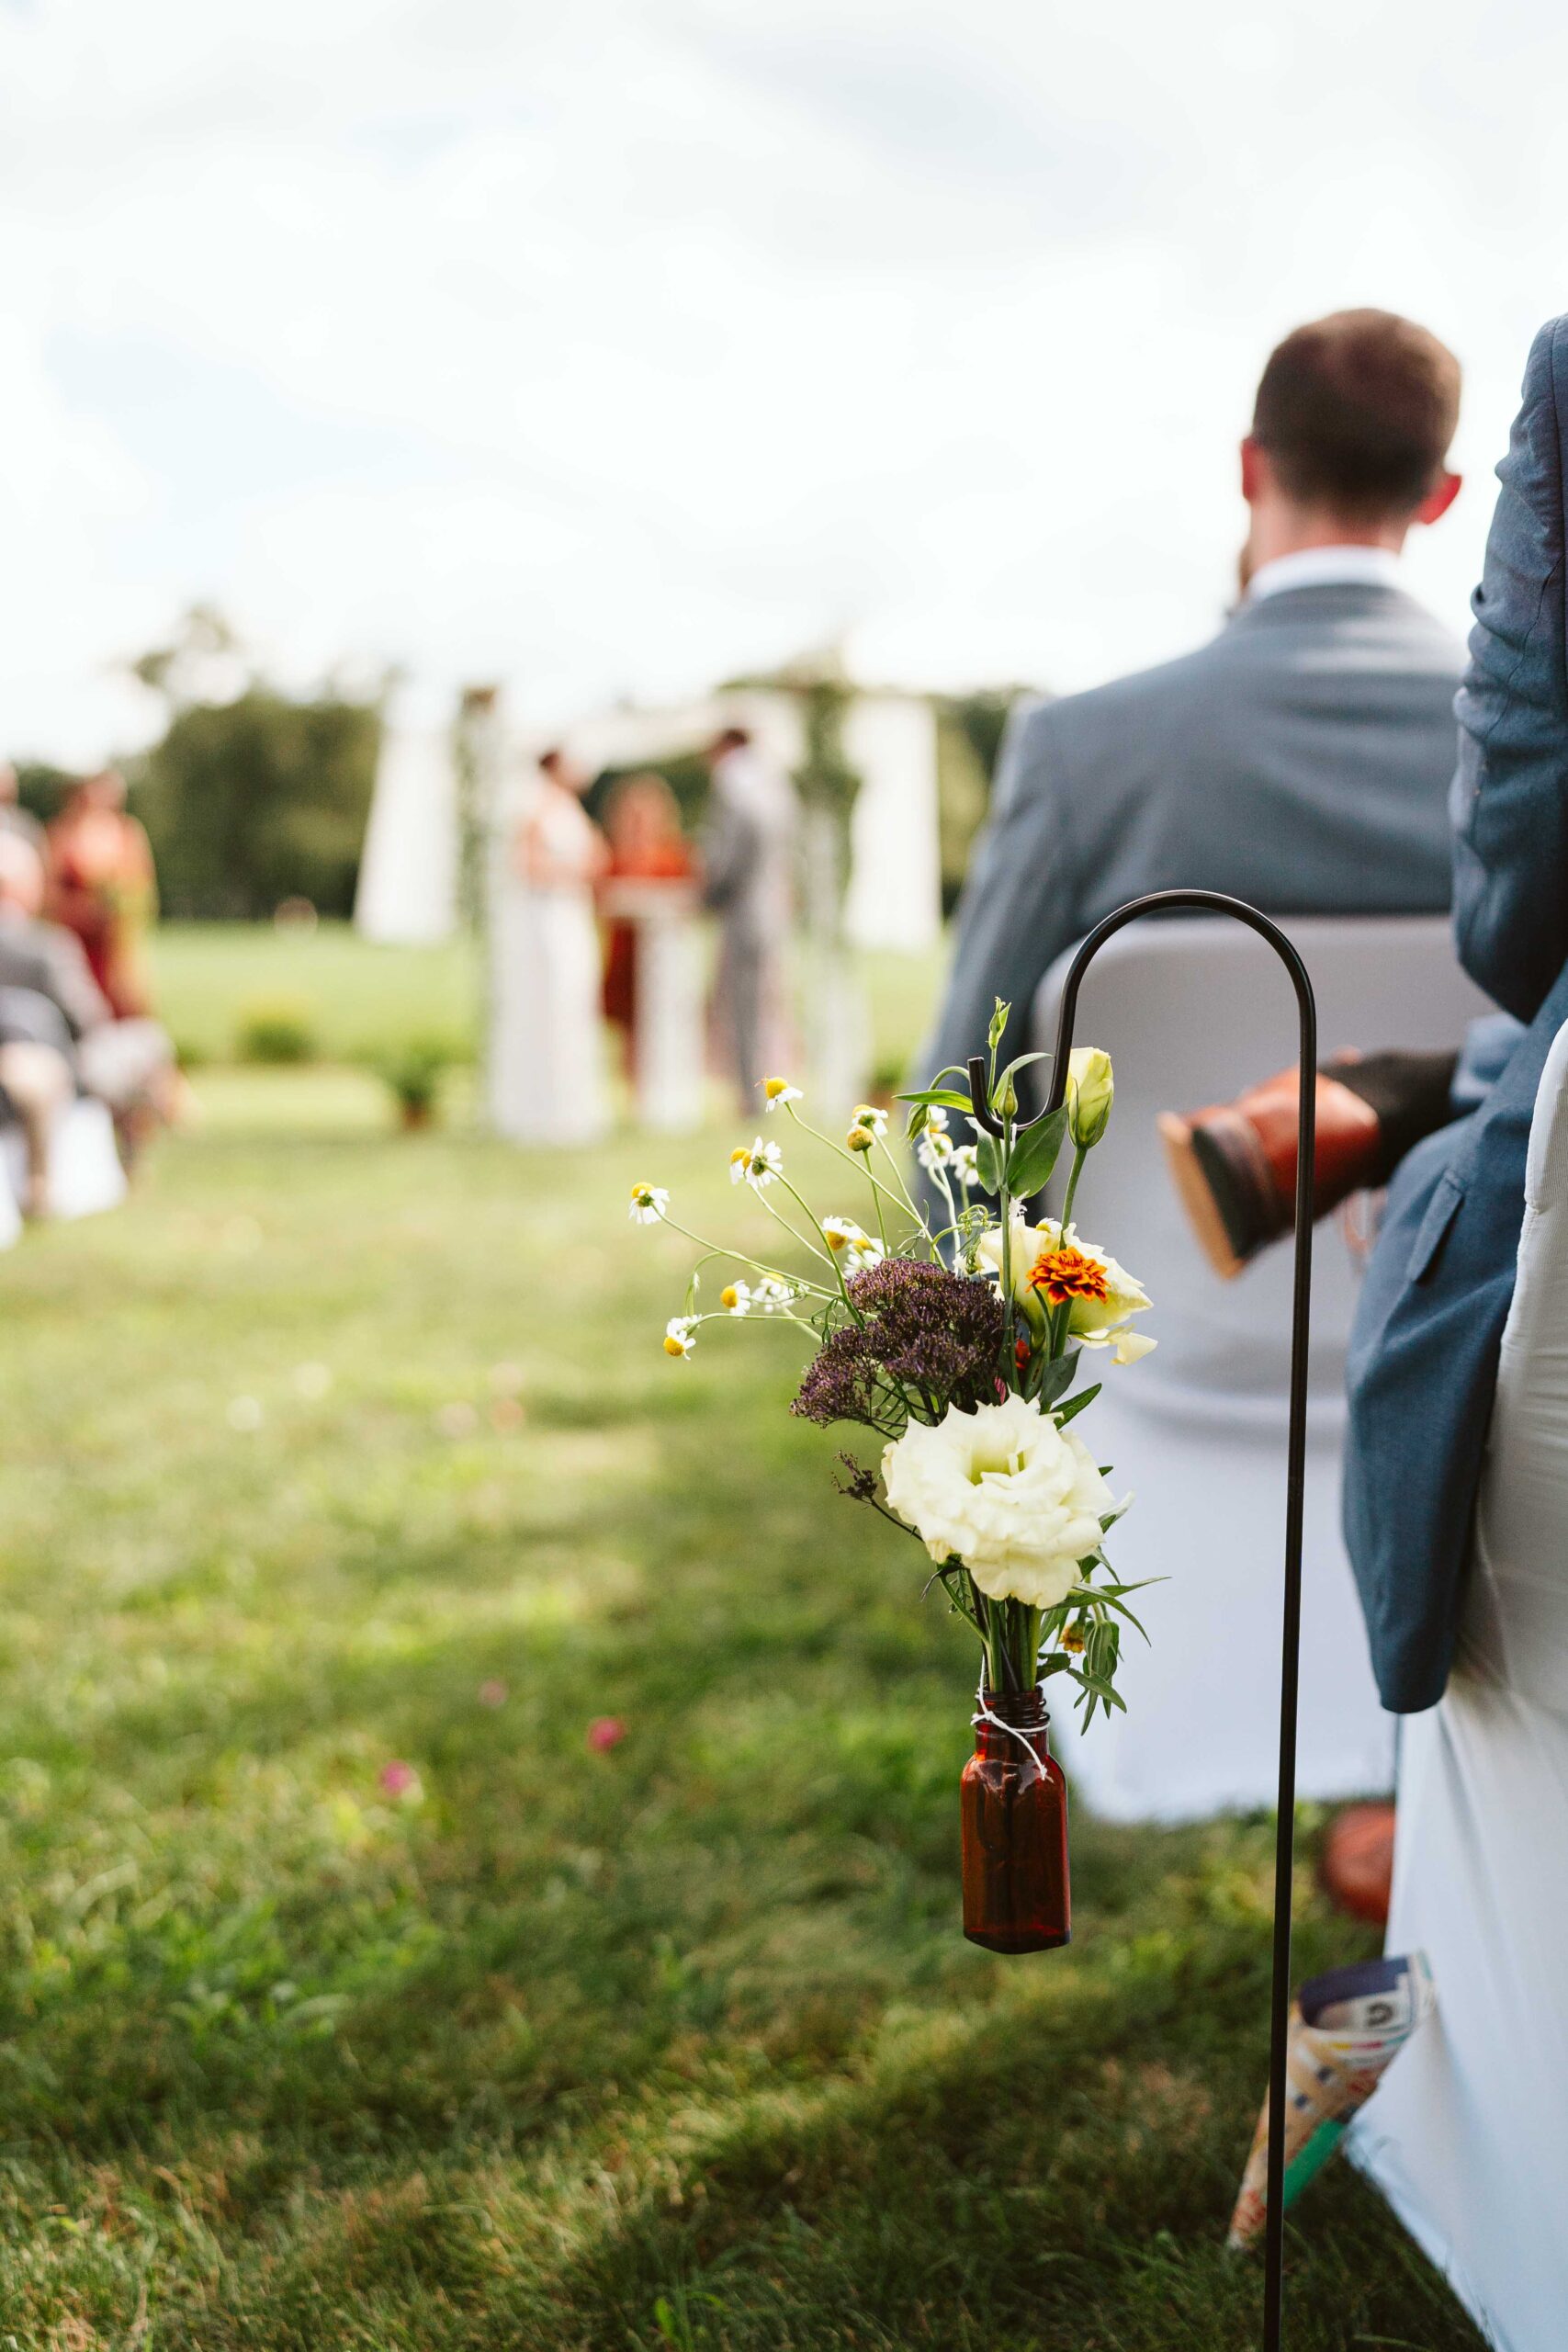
609 346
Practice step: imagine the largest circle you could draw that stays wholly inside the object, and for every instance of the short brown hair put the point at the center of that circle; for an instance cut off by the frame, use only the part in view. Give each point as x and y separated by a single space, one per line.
1356 412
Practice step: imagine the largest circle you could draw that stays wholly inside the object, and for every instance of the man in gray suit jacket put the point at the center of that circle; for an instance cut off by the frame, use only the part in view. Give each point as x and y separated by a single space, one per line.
1302 759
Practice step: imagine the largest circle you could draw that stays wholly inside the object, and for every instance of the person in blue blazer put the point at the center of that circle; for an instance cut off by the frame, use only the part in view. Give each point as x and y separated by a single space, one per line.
1424 1353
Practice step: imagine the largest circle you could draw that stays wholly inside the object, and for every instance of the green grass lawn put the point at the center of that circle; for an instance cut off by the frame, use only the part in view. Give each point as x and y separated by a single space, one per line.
363 999
333 1452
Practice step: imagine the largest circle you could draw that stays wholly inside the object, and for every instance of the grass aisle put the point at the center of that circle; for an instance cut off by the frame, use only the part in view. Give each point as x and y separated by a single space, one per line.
333 1454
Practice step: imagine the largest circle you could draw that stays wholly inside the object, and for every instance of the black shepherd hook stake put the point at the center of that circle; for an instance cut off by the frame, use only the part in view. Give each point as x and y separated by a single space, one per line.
1216 902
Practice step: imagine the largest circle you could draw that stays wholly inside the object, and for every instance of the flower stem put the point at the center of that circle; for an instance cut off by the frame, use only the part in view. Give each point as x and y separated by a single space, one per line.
738 1257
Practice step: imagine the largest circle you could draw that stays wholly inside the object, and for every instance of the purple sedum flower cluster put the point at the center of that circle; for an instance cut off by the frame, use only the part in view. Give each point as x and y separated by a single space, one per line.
929 1339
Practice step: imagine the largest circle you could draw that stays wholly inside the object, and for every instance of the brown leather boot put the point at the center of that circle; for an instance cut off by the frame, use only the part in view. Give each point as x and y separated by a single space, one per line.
1235 1163
1357 1868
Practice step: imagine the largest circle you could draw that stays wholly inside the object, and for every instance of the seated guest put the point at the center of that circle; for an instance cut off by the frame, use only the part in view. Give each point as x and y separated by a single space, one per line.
49 1000
13 817
102 886
1298 759
1452 1133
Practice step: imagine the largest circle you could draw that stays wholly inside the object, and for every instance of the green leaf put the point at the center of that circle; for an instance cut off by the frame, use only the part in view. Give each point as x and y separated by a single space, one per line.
988 1163
1123 1611
1035 1153
944 1094
922 1103
1103 1650
1076 1404
1058 1378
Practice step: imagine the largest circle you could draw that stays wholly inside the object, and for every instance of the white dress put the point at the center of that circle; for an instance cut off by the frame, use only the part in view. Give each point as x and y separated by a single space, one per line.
546 1080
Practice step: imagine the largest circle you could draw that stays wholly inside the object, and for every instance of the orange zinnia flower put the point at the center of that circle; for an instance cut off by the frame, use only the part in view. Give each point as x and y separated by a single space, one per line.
1065 1274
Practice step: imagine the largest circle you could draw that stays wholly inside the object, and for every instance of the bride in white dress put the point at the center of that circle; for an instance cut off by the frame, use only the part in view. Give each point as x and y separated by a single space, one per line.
547 1080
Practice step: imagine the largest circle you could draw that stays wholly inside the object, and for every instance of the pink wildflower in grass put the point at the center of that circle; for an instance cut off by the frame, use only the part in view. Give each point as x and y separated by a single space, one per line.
398 1778
604 1733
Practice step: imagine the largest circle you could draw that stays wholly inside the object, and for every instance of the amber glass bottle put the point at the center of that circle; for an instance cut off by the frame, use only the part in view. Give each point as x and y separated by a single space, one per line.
1016 1896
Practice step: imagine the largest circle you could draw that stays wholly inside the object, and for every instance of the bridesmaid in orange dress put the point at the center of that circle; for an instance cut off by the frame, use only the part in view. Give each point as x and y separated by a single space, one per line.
642 825
102 886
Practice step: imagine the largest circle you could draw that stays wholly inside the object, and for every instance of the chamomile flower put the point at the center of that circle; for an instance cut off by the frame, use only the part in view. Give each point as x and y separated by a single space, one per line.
774 1296
735 1299
868 1115
935 1148
776 1091
852 1247
679 1335
965 1166
756 1164
648 1204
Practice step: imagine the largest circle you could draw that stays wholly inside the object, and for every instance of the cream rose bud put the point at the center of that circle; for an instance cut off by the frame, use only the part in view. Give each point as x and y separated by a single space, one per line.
1017 1498
1091 1088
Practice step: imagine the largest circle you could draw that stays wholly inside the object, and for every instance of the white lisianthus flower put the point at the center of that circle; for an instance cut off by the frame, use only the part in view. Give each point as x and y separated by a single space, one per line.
680 1334
1017 1498
735 1299
1126 1345
776 1091
756 1164
648 1204
1053 1266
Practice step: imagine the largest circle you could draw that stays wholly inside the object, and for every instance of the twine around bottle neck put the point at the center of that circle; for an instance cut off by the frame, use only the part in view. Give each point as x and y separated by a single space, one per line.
1018 1714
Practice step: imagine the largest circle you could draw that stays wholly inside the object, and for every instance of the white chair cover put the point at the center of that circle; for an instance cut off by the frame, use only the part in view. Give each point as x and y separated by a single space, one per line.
1192 1010
10 1214
1465 2136
85 1172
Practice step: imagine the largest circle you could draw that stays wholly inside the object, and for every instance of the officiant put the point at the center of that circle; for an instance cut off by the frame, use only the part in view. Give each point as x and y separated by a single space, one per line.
747 844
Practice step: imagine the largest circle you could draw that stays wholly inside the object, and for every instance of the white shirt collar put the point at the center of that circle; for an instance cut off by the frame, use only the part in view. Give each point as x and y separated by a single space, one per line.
1324 568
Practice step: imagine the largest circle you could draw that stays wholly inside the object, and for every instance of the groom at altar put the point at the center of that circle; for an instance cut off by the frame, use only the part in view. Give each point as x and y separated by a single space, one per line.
1300 760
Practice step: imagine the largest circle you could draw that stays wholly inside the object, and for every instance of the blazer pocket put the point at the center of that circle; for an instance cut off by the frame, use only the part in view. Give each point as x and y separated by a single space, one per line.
1433 1229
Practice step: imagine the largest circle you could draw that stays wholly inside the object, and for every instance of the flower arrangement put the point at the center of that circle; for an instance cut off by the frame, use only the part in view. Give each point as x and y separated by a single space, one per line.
958 1336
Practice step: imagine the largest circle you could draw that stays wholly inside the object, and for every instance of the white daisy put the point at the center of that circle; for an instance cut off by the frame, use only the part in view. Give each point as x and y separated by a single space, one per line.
756 1165
735 1299
934 1149
773 1295
868 1115
679 1335
965 1169
648 1204
777 1092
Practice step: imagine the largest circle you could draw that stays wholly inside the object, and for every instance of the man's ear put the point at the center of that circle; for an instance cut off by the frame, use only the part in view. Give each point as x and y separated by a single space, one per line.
1439 498
1254 469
